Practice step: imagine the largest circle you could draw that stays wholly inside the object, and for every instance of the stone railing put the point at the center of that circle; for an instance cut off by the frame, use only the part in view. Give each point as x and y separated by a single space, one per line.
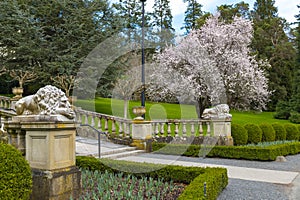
104 123
5 102
160 128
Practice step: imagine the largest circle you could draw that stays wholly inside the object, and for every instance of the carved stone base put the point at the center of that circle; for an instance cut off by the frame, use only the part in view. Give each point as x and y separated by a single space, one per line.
57 184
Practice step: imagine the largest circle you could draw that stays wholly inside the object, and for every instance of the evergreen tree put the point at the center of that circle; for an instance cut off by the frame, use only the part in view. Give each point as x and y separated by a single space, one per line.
270 42
52 38
192 13
228 12
162 23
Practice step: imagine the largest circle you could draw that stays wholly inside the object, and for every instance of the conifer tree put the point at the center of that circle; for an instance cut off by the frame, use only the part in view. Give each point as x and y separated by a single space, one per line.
162 23
192 13
271 42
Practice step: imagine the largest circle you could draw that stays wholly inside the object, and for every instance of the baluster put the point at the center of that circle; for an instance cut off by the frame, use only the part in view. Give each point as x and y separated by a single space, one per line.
156 132
93 121
162 129
200 129
120 127
176 129
184 129
208 129
1 103
113 125
193 129
78 117
106 124
99 123
86 121
169 128
126 129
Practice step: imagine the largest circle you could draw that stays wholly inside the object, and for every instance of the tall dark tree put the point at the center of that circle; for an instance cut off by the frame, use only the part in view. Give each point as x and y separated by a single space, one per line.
192 13
228 12
271 42
52 37
162 23
297 32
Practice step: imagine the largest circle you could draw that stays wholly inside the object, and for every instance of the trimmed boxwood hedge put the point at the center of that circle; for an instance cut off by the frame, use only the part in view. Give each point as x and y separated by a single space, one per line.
280 132
236 152
216 178
268 133
239 134
292 132
15 174
254 133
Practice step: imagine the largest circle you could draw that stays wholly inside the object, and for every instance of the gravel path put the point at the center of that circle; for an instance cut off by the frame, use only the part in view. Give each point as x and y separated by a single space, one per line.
251 190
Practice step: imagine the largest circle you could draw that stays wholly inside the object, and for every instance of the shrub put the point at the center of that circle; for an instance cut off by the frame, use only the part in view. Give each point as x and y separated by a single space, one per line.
268 133
295 117
15 174
283 110
254 133
280 132
239 134
292 132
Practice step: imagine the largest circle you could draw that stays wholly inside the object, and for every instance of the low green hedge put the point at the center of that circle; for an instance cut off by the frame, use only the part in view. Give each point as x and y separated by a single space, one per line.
216 179
234 152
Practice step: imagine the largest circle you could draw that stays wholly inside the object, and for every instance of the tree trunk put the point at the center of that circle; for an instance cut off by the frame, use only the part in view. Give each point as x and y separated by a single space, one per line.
201 104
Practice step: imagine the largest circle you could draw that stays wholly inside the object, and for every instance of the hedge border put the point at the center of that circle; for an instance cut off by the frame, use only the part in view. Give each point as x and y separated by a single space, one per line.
216 178
234 152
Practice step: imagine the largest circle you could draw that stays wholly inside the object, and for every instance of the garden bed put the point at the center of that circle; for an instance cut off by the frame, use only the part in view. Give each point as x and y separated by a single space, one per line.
195 179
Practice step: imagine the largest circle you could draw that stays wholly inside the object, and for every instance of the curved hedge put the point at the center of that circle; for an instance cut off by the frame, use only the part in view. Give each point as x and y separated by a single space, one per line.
15 174
239 134
268 133
254 133
292 132
280 132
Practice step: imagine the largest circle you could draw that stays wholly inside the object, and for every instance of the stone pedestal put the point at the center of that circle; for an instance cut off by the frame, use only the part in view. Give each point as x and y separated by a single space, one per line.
50 151
141 132
221 128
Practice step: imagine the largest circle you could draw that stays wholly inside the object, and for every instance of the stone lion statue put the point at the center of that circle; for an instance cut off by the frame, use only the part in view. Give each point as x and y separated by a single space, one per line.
220 111
48 100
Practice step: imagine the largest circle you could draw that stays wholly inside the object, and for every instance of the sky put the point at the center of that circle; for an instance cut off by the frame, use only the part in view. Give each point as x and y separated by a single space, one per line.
286 8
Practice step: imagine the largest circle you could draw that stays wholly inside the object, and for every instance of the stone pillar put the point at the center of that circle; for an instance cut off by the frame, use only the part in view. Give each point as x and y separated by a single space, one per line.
141 133
50 151
222 128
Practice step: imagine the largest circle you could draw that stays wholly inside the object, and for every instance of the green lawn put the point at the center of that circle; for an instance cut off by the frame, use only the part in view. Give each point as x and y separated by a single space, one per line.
170 111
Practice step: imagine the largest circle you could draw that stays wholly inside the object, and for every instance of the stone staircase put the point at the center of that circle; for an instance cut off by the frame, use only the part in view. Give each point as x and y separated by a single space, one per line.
87 145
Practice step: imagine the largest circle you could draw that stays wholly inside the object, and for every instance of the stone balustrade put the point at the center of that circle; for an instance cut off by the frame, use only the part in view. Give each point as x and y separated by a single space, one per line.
160 128
5 102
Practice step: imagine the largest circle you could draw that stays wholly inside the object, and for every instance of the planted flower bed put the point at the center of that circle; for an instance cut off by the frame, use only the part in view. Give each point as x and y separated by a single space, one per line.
199 183
105 185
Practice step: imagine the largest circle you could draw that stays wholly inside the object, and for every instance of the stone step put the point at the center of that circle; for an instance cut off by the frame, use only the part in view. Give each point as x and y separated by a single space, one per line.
122 154
117 150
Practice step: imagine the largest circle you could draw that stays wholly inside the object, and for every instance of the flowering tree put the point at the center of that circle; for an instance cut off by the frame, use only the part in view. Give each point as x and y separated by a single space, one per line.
213 65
